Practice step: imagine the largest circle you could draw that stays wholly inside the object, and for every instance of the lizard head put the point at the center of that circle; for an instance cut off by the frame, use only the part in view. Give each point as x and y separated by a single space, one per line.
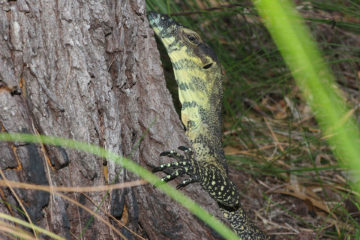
185 47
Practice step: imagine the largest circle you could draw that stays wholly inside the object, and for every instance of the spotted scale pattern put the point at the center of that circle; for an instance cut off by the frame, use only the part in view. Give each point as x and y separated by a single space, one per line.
211 179
242 225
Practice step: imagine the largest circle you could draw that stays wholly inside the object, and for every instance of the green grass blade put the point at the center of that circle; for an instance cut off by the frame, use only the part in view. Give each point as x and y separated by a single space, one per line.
131 166
315 80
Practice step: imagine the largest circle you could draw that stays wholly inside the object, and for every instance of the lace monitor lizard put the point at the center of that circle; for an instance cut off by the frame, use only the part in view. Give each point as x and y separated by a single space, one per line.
199 77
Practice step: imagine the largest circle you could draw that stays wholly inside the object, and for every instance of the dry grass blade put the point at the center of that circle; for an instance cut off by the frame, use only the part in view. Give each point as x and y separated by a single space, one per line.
120 223
72 189
275 139
14 231
32 226
98 217
6 183
302 193
56 190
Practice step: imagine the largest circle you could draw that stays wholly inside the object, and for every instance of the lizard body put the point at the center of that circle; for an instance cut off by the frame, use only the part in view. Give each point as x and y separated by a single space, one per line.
199 77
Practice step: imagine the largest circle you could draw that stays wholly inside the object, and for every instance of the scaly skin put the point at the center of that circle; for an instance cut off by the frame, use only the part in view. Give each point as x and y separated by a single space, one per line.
199 77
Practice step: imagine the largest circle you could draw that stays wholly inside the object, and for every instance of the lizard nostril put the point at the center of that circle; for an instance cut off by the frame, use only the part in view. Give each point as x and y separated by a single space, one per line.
207 66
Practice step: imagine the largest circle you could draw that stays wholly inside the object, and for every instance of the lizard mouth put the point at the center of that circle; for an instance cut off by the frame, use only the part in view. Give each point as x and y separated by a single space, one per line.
162 24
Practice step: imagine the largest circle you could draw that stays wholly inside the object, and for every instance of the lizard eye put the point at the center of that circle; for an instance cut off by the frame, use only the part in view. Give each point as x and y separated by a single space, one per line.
191 38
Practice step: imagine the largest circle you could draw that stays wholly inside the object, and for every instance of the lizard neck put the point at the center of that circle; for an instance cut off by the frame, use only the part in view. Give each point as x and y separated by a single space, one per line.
200 93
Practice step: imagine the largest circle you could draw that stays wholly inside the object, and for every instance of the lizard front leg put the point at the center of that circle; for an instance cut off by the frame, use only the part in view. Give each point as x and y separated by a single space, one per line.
184 164
212 180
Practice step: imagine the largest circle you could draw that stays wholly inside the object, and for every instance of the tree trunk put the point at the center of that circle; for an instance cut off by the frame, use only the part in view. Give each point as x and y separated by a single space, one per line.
88 71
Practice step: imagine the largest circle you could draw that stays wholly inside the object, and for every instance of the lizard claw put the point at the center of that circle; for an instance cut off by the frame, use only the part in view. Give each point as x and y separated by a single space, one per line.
166 153
156 169
185 149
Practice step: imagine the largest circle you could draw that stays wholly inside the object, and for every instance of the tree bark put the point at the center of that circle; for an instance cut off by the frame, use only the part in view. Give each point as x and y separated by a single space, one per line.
88 71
